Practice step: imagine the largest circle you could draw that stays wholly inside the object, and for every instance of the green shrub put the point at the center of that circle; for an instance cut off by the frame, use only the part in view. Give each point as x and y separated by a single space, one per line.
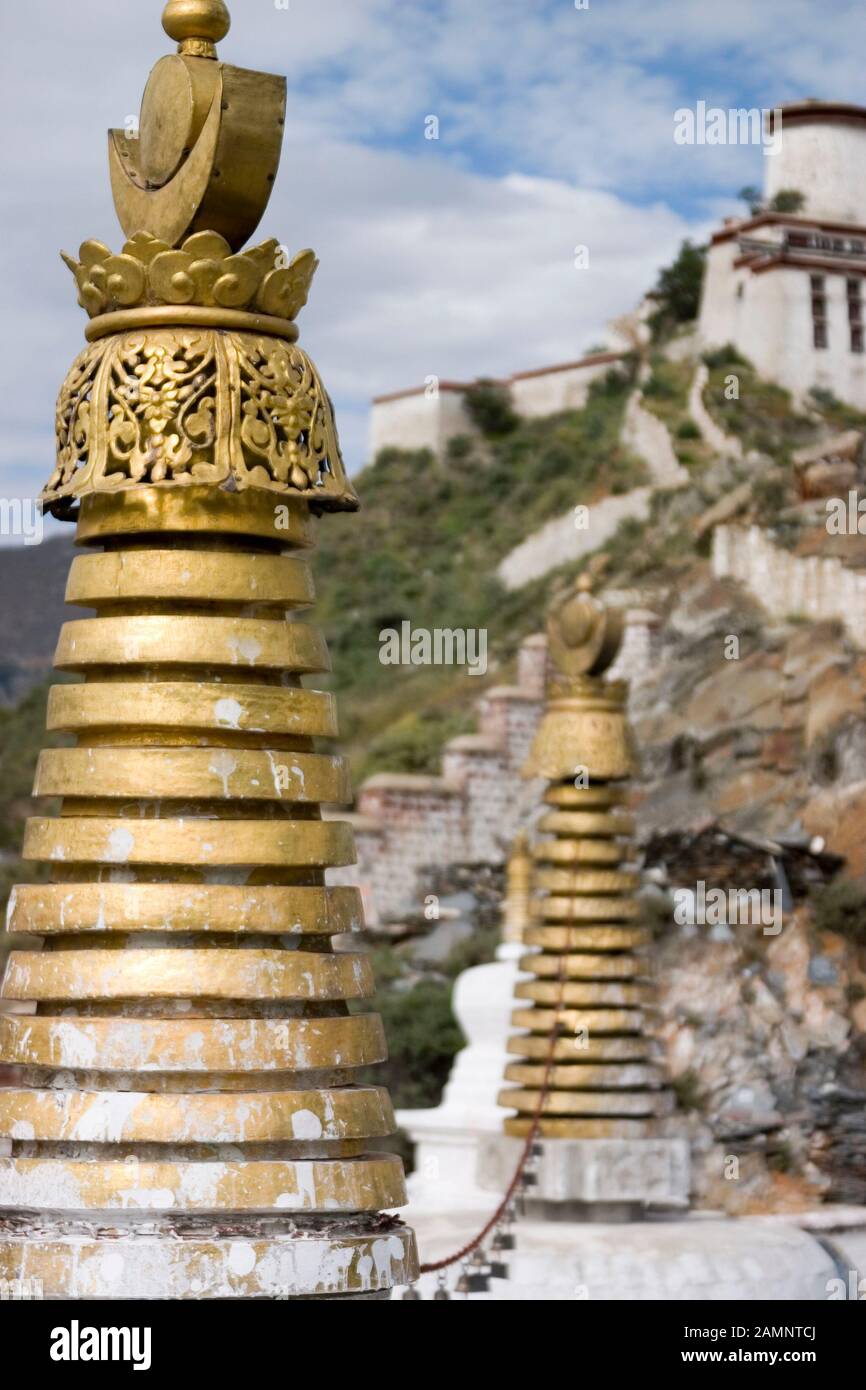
459 447
753 198
488 404
678 289
423 1038
657 914
659 388
787 200
725 356
688 1091
781 1158
613 381
771 494
825 398
688 430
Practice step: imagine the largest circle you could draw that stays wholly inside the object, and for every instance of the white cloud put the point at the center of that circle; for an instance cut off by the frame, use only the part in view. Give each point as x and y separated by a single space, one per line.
454 275
451 257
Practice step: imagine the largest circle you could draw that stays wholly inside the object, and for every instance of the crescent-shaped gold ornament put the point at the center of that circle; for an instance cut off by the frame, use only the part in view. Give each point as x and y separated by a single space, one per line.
583 635
209 137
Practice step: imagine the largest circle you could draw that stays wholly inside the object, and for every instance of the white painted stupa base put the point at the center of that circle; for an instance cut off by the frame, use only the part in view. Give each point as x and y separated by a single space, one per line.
446 1138
690 1259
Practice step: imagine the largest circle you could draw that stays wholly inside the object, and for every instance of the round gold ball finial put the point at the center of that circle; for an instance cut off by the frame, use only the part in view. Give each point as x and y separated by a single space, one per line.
203 22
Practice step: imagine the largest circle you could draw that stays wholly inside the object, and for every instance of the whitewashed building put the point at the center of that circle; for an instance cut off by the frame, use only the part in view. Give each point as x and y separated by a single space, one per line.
787 289
426 417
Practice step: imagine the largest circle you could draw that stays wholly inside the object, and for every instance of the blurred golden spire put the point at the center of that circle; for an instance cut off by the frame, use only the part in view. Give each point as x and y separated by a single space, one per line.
518 890
584 1060
584 724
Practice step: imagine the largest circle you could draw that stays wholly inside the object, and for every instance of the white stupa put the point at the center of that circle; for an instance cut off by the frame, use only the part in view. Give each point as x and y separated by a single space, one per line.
446 1138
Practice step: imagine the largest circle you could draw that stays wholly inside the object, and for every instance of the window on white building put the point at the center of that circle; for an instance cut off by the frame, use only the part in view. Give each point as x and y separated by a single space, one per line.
855 312
819 311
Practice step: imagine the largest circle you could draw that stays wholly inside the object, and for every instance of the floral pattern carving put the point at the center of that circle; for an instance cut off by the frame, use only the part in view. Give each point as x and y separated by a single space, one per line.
287 433
163 407
73 417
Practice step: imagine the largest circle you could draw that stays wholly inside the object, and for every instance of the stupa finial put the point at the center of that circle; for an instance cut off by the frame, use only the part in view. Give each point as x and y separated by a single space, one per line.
193 374
207 148
197 26
584 634
584 725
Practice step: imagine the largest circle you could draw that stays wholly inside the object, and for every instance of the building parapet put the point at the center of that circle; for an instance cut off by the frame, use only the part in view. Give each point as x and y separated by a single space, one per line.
429 416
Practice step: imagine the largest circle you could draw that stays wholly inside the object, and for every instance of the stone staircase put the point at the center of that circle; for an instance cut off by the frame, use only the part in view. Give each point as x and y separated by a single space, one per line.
561 542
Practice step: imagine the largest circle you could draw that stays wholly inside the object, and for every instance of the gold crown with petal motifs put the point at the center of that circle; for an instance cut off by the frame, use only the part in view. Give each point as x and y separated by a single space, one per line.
203 271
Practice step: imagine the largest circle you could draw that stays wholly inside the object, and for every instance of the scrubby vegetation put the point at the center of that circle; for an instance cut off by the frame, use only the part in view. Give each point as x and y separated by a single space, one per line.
757 412
424 549
423 1034
489 406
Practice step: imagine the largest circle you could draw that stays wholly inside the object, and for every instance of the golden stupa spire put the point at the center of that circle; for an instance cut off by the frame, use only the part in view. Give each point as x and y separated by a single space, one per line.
518 890
584 1056
185 1115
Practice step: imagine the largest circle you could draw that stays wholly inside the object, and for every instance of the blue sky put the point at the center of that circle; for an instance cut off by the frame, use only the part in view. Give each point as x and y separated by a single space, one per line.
451 257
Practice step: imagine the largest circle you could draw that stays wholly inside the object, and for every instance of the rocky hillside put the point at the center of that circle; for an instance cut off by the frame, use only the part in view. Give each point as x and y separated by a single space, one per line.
425 549
765 1035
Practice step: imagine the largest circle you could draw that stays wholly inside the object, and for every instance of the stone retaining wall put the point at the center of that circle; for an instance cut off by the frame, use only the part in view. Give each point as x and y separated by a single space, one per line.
789 585
711 432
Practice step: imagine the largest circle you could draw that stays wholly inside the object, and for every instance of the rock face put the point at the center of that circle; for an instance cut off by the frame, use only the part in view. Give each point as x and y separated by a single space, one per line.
761 726
758 721
768 1060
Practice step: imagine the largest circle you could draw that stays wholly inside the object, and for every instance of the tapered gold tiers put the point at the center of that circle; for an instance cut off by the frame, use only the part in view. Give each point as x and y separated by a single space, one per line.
589 984
586 1067
185 1118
